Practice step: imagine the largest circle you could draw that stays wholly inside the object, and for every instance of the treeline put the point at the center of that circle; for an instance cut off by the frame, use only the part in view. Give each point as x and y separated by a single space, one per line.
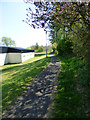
69 24
71 43
39 48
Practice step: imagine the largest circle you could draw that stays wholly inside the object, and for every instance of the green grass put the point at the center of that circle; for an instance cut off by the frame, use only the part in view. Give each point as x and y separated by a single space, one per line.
71 91
17 77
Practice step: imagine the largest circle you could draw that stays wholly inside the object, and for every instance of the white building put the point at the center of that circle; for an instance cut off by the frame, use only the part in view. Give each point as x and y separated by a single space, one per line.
14 55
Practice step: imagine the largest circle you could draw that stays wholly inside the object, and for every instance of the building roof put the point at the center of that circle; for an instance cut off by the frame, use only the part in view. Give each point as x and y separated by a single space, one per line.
5 49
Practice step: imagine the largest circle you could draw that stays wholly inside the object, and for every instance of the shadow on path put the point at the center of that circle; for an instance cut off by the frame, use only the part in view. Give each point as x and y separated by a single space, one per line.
36 101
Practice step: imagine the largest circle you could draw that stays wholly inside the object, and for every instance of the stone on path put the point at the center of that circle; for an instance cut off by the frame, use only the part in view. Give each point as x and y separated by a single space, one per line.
35 103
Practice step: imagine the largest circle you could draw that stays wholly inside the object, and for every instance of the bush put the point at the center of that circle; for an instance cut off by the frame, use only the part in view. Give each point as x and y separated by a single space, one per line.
54 47
64 46
40 49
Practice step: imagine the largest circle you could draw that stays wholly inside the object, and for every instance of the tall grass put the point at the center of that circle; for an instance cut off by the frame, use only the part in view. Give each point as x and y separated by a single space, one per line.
72 89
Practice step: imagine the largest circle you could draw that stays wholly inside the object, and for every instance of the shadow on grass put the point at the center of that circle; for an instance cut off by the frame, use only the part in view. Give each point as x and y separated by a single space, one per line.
17 78
38 55
38 98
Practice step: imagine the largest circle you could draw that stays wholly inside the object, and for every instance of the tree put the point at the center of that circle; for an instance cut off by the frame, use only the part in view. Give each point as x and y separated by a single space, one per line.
7 41
40 18
54 47
36 46
75 17
65 14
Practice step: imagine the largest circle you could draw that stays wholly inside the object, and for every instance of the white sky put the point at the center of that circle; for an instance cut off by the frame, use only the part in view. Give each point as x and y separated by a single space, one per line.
12 14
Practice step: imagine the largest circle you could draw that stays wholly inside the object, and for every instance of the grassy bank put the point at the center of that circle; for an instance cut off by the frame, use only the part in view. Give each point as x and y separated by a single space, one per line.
71 100
17 77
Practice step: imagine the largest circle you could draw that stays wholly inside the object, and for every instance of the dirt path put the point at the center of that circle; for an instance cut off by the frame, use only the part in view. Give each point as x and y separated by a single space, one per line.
35 103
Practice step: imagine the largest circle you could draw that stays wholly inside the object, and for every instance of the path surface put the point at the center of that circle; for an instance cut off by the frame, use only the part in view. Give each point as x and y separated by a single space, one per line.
35 103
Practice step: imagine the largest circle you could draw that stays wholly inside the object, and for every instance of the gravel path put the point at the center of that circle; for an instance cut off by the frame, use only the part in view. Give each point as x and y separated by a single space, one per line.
35 103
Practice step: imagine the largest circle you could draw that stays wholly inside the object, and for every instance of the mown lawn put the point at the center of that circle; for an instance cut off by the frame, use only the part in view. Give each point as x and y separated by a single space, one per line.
17 77
72 89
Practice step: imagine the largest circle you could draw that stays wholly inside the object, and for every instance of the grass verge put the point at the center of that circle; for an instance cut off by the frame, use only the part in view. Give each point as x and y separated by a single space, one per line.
72 89
16 78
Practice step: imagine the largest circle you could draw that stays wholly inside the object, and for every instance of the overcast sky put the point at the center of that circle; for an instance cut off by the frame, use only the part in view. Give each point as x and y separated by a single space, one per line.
12 14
